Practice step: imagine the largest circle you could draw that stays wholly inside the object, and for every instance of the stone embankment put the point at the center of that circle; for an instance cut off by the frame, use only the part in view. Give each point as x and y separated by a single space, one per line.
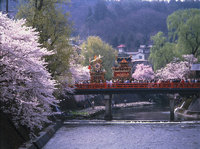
189 111
43 137
186 114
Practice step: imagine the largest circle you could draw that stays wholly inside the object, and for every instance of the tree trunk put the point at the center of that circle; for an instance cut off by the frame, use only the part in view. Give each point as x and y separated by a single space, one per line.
41 4
0 5
6 6
36 4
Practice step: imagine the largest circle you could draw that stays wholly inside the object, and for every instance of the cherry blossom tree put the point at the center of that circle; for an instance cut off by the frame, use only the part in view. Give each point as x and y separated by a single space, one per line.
177 69
143 72
26 86
79 73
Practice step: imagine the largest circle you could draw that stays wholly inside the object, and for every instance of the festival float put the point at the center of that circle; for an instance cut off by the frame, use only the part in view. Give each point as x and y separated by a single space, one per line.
97 72
123 71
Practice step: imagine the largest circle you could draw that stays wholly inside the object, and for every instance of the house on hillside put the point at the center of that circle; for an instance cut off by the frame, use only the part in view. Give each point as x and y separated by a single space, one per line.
121 48
139 57
142 53
145 50
136 55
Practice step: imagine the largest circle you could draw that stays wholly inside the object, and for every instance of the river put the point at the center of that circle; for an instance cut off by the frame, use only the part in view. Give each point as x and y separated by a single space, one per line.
142 127
126 135
142 112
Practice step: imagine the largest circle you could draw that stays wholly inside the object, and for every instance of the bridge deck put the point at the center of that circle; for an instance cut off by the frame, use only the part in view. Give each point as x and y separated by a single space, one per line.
132 88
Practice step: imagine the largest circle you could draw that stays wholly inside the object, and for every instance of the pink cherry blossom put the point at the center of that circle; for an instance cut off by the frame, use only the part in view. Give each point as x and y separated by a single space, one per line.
26 86
177 69
143 72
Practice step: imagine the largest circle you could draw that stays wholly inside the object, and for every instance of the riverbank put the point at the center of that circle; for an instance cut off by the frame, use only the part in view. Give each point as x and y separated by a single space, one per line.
43 138
188 110
91 112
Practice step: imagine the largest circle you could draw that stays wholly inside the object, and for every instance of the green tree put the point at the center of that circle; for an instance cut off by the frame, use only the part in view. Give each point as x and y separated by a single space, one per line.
95 46
162 51
52 24
130 41
184 29
122 39
90 20
183 34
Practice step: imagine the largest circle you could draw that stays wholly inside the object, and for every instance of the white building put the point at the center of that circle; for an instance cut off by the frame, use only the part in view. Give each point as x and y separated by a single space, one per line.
141 55
136 55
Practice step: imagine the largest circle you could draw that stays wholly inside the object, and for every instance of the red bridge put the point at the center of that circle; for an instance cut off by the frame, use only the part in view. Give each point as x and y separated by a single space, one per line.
132 88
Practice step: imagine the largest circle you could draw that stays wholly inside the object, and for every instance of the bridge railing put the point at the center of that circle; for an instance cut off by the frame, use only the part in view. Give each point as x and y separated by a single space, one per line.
138 85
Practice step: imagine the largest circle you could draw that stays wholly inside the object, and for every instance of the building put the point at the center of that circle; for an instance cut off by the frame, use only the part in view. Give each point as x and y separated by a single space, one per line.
142 53
139 57
136 55
121 48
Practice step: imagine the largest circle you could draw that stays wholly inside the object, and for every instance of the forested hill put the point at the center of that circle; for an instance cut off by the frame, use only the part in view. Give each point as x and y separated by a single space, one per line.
129 22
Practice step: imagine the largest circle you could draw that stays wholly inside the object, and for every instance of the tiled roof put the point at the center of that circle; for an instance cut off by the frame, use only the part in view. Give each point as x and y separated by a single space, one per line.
121 46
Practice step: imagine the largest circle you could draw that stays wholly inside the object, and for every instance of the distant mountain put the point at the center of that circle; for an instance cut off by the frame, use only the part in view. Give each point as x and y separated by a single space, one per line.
129 22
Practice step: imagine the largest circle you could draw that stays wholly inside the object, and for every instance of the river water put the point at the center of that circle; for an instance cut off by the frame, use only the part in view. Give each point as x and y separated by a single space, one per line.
127 135
143 127
142 112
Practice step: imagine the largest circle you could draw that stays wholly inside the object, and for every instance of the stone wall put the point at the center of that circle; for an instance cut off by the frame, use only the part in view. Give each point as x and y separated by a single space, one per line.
43 137
189 109
18 138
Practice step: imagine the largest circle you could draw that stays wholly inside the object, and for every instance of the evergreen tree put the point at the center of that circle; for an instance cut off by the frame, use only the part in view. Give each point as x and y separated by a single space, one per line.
100 10
90 20
130 41
115 42
122 39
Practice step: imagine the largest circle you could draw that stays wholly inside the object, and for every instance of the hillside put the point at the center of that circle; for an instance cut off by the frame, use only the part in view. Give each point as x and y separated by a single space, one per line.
129 22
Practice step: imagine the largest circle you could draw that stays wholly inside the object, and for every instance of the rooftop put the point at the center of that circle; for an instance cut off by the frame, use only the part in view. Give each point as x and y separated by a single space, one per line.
121 46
